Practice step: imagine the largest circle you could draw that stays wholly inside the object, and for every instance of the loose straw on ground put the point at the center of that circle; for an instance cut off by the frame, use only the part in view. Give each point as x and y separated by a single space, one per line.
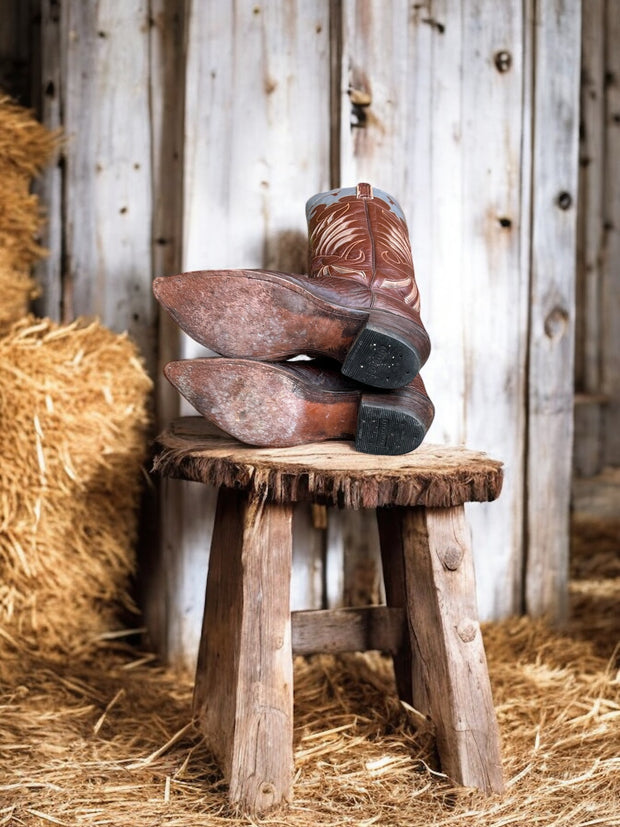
361 756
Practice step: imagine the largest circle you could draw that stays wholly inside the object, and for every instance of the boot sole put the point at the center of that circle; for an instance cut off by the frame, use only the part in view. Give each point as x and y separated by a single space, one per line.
383 428
387 351
261 315
263 404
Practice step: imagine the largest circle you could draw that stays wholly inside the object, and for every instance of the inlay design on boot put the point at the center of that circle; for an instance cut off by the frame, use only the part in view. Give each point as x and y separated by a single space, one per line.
281 404
360 234
359 305
372 239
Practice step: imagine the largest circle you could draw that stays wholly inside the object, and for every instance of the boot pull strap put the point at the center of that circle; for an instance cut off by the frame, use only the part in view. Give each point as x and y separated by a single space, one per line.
364 191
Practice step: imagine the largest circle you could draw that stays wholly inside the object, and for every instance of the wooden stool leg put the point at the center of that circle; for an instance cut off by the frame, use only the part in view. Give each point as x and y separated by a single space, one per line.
450 681
243 696
390 538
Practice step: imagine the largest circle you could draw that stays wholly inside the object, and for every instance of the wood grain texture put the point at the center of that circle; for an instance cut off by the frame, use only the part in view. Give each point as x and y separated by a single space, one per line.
450 682
610 288
389 521
590 234
348 630
334 472
48 272
551 348
244 682
457 174
256 144
108 183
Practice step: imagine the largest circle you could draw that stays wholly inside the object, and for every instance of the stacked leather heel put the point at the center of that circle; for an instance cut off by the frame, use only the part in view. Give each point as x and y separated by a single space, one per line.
357 312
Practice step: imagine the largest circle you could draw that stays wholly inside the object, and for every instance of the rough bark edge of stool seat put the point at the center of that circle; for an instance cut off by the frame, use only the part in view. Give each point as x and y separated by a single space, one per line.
450 476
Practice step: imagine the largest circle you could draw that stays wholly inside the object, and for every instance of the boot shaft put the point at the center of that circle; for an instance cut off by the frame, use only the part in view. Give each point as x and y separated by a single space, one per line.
360 233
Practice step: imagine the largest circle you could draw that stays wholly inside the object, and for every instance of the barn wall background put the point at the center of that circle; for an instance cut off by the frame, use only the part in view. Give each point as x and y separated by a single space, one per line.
195 133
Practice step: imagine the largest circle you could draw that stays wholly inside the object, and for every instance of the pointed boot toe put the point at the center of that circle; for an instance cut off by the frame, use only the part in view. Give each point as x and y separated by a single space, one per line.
267 404
258 314
277 405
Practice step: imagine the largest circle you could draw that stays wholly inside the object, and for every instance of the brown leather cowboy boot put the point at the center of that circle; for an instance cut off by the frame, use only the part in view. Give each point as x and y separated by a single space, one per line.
359 305
277 404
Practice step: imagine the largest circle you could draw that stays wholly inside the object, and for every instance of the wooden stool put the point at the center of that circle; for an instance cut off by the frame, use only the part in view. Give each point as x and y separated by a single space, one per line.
243 694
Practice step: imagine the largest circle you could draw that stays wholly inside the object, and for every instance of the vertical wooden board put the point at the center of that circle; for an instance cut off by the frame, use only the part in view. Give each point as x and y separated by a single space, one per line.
156 559
407 142
263 68
167 78
495 273
387 55
353 560
308 554
611 256
590 234
108 189
456 169
180 578
256 147
48 272
556 49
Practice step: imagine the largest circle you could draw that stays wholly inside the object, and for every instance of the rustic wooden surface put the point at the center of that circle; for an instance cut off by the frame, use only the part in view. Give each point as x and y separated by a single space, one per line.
348 630
244 680
610 287
314 94
246 174
450 682
551 333
590 235
243 694
461 179
334 472
393 566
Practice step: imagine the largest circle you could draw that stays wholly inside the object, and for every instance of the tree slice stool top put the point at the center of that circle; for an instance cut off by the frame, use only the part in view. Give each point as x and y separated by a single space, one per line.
328 472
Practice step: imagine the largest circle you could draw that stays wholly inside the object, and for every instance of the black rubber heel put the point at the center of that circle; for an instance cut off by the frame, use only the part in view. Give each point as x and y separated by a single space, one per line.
381 359
388 352
386 429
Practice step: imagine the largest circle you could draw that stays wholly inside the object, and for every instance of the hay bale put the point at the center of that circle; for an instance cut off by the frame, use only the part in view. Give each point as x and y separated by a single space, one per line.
73 412
25 147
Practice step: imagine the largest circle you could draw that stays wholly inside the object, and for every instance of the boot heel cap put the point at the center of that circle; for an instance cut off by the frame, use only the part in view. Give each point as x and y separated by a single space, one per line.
386 430
381 359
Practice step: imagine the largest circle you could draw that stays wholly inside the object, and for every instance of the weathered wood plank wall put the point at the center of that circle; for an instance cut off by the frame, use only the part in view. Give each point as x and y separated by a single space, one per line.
196 131
256 145
597 362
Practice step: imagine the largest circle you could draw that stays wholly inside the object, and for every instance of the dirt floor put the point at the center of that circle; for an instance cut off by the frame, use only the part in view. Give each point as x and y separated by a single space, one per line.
107 738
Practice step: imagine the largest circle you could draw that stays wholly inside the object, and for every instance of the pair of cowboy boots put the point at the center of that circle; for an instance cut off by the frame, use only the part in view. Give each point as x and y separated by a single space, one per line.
357 312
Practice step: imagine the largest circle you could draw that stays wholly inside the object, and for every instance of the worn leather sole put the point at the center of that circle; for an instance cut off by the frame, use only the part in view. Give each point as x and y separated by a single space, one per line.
276 405
259 314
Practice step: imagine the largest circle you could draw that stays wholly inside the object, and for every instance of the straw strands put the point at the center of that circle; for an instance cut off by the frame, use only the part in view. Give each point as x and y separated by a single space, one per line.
25 147
108 740
73 412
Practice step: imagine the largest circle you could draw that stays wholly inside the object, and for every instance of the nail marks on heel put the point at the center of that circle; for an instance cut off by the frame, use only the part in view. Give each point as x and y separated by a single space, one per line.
381 359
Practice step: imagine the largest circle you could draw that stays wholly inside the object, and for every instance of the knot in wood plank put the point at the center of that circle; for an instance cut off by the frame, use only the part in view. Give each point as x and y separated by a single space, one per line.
468 629
452 557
